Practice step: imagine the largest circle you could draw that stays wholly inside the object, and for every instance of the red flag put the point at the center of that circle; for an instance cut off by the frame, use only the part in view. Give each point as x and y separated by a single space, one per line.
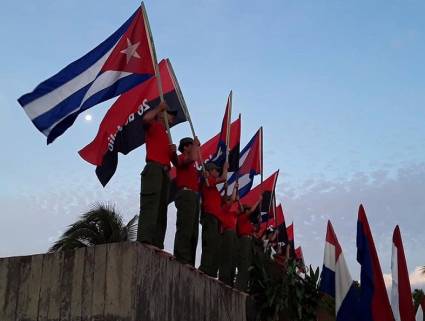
373 298
401 294
267 185
280 217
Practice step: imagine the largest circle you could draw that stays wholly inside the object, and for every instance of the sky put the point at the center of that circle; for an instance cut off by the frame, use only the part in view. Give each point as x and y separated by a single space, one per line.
337 86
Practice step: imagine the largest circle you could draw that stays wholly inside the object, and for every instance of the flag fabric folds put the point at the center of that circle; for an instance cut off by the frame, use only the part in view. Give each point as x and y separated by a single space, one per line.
401 293
374 303
420 312
121 130
249 166
336 280
119 63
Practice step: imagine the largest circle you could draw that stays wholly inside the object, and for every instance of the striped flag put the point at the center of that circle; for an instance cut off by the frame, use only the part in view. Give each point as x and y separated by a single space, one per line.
401 293
119 63
336 280
374 303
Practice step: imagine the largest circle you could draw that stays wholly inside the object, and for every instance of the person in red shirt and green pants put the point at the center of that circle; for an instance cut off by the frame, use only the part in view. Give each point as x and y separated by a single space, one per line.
245 230
187 201
230 210
155 181
211 211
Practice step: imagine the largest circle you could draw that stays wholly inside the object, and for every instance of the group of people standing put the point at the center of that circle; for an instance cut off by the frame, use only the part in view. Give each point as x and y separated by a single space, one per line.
226 224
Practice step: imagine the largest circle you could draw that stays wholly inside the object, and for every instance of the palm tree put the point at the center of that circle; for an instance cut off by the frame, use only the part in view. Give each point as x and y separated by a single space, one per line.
102 224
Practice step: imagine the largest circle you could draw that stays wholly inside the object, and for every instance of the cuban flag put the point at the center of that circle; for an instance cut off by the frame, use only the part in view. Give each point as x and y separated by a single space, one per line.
336 280
374 302
119 63
249 166
222 145
401 293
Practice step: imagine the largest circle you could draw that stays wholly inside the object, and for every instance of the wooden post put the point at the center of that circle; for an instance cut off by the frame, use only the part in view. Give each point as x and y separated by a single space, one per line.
155 63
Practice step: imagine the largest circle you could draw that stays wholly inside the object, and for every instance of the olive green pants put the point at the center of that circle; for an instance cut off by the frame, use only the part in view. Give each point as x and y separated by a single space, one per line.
210 245
243 262
155 184
187 226
227 265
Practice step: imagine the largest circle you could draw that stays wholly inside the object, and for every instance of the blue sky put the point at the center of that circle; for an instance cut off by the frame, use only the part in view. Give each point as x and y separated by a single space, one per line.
338 87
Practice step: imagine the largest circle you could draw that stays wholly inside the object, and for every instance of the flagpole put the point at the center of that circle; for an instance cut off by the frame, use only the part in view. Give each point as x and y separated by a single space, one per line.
185 109
229 117
261 149
157 73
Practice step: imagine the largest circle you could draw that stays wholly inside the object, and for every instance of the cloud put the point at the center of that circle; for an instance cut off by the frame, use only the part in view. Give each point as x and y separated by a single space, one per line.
416 277
389 197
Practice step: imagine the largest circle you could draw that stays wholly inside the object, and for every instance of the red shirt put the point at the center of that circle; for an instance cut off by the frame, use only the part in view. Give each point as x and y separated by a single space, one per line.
187 175
211 198
157 144
244 225
228 217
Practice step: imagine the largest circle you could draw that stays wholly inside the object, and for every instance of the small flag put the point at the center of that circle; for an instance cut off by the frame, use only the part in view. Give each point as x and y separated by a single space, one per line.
401 293
121 130
374 303
249 166
336 280
121 62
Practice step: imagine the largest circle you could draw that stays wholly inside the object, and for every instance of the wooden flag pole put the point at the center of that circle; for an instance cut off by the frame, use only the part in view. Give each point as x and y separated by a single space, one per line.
185 109
157 73
261 150
228 136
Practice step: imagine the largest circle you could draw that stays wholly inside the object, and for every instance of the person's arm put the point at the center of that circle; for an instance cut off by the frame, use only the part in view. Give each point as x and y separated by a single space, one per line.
151 115
173 155
254 207
223 177
235 192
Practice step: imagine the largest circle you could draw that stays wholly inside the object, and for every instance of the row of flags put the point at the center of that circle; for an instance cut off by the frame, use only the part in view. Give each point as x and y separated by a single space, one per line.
368 300
125 65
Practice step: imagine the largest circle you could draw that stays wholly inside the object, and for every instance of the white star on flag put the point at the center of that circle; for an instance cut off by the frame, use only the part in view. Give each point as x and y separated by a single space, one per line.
131 50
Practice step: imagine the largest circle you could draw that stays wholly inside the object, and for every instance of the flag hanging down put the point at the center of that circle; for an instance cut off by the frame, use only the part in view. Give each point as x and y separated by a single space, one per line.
374 303
401 293
299 257
119 63
121 130
282 235
336 280
291 239
249 166
420 312
224 141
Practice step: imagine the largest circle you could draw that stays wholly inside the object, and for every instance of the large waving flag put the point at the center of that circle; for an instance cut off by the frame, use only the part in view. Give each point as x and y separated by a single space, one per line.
401 293
121 130
336 280
374 303
249 166
119 63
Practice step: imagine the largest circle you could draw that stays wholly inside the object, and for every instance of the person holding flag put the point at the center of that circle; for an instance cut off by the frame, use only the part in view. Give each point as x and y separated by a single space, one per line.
187 200
211 212
245 230
155 180
228 219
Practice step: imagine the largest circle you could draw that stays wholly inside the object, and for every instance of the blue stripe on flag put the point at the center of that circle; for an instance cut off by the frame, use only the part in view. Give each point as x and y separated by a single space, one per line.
327 281
75 68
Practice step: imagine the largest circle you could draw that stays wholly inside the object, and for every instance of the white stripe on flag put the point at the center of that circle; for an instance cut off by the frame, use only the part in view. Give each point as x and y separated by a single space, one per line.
45 103
394 289
420 314
343 281
329 256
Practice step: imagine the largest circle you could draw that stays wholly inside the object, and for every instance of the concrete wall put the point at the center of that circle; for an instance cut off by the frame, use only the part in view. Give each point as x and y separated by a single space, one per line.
121 281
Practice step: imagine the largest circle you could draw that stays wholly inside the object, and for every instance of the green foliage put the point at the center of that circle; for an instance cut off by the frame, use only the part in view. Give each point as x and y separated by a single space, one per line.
282 293
102 224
